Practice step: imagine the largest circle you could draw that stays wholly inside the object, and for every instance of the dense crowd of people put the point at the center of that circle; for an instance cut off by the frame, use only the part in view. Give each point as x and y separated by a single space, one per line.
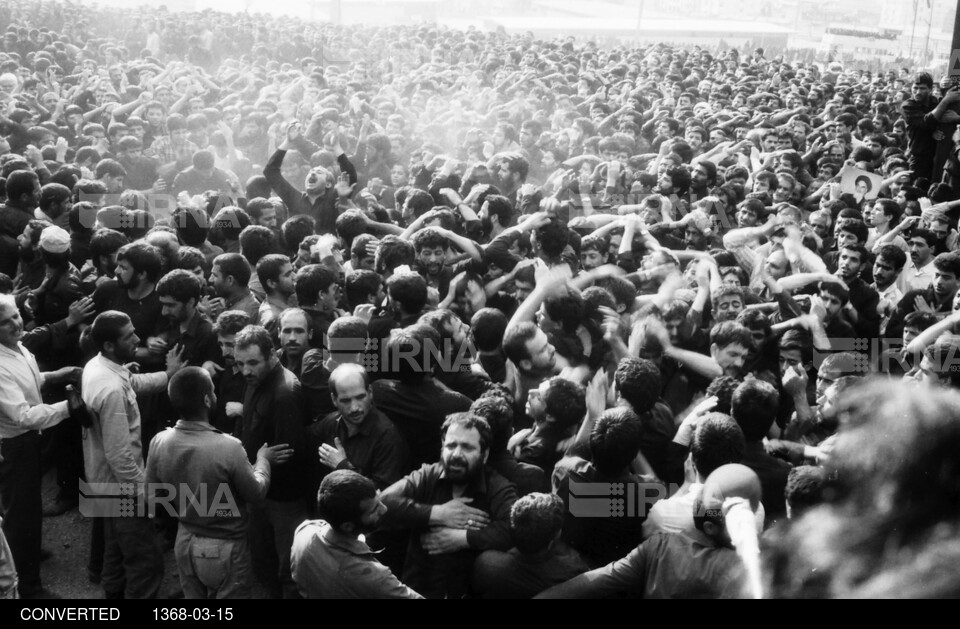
431 302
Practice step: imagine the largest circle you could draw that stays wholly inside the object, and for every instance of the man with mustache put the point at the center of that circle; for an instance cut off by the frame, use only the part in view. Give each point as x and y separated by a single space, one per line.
357 436
320 198
296 332
456 508
273 413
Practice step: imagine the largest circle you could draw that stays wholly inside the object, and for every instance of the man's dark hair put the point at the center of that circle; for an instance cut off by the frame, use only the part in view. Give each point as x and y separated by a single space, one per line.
192 225
717 440
409 291
469 421
722 388
295 229
402 350
231 322
190 258
257 241
105 242
429 238
187 389
349 225
229 222
500 206
638 382
393 252
854 226
535 522
269 267
730 333
553 238
515 341
310 281
498 412
487 327
233 264
109 167
143 257
360 285
615 440
948 263
754 407
181 285
19 183
340 497
107 326
566 310
893 254
255 336
804 489
565 401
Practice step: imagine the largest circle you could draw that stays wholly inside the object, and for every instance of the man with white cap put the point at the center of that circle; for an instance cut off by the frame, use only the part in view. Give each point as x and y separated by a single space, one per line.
702 564
61 285
50 303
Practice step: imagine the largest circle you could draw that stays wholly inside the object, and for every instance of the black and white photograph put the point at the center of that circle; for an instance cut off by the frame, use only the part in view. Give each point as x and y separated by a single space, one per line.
462 299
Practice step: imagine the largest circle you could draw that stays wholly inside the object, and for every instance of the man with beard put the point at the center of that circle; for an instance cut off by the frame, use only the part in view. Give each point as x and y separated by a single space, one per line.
179 294
273 414
230 381
329 560
102 262
456 508
496 214
296 332
31 269
861 311
318 294
132 291
886 269
432 246
321 198
357 436
23 196
533 357
229 279
702 179
112 451
275 273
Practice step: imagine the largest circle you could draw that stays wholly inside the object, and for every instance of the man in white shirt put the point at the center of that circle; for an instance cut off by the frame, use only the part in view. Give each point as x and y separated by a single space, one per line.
918 273
22 416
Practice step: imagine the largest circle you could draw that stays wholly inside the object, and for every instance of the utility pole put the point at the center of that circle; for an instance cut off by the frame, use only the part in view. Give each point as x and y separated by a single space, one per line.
913 33
640 16
953 67
926 44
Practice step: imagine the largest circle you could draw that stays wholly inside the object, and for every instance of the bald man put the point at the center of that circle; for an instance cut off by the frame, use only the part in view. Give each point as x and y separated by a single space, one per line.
701 564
